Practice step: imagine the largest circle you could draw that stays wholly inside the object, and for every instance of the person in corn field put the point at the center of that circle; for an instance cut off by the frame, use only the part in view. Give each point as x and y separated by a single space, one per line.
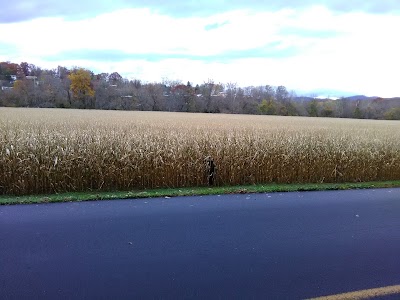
211 168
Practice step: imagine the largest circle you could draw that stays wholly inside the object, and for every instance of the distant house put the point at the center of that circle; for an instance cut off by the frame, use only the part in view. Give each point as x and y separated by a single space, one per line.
179 88
4 88
220 94
34 78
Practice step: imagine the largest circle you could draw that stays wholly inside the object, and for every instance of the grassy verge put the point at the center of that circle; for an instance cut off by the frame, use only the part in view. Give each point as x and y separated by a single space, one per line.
266 188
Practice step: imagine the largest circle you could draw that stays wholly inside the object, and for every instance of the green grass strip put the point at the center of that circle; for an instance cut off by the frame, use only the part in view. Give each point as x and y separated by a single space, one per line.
264 188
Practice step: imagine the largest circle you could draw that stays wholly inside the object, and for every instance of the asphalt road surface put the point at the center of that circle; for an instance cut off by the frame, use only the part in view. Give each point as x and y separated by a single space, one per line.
258 246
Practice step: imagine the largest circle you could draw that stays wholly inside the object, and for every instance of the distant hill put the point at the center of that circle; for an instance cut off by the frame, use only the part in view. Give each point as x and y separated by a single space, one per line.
359 97
350 98
389 99
303 99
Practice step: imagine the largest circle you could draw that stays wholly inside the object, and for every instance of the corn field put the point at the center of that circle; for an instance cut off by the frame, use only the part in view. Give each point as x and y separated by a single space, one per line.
53 150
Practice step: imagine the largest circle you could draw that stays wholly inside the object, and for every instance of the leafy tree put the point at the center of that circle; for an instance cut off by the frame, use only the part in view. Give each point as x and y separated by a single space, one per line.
114 78
25 68
393 114
7 69
282 94
34 70
267 107
269 92
287 109
183 98
102 77
153 93
231 97
358 113
51 91
313 108
62 74
208 90
136 83
327 110
81 87
23 92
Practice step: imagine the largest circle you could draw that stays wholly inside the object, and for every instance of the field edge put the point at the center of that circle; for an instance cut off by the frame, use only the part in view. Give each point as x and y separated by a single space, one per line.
195 191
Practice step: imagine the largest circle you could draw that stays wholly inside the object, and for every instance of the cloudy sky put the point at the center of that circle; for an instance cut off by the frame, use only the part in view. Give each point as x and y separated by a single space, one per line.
326 47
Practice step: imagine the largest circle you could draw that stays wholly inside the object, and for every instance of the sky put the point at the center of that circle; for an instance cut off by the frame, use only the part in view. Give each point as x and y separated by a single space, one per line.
328 47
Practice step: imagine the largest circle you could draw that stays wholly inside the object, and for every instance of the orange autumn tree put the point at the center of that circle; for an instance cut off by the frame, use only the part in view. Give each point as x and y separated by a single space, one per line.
82 88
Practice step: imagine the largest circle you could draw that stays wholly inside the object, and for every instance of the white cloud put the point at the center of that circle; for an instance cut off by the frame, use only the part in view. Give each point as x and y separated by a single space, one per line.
360 58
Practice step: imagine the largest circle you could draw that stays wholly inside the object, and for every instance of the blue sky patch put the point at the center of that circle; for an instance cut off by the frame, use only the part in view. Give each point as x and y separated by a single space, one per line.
22 10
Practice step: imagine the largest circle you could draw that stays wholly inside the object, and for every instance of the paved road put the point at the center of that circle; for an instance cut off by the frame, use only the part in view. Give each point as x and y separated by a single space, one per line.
270 246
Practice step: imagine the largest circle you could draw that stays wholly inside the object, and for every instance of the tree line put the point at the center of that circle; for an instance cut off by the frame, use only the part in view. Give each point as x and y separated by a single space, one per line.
27 85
